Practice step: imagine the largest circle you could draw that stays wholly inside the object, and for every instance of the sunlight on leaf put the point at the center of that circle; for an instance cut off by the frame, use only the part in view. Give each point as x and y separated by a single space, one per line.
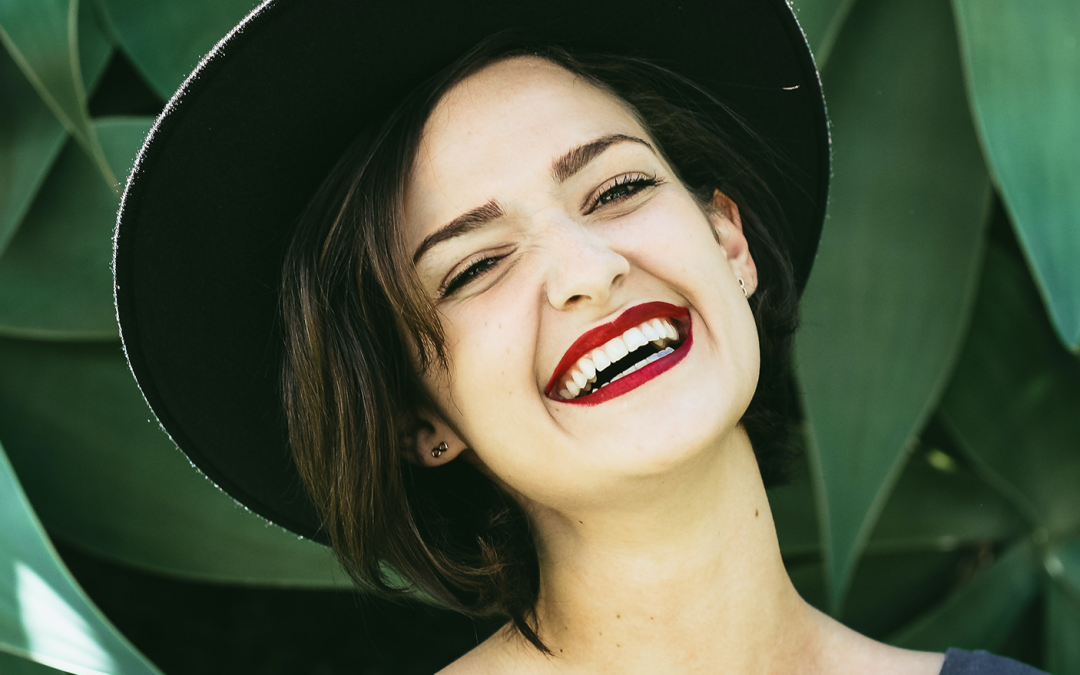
44 615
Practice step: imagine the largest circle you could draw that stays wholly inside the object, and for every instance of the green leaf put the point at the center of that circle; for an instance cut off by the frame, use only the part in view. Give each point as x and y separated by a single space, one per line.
1023 73
983 612
1063 608
15 665
165 40
103 476
42 36
930 509
95 46
821 21
888 589
55 277
44 615
30 138
888 300
30 135
1013 400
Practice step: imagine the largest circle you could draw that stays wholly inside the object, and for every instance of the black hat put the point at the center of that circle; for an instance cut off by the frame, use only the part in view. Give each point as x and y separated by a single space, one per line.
243 145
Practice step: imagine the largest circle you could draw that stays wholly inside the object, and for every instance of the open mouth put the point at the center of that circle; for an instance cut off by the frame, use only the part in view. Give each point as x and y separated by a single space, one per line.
612 359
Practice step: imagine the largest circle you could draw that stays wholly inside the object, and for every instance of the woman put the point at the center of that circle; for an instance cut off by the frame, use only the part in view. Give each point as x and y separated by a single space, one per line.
534 323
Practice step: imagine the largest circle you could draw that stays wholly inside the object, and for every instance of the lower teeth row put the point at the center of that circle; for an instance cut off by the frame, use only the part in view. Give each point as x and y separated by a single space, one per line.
637 366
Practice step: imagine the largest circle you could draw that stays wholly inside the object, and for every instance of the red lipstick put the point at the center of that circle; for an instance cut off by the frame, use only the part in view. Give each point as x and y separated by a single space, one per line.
600 335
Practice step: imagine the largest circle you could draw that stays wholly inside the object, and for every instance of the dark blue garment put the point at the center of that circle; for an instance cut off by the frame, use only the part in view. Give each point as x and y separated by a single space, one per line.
963 662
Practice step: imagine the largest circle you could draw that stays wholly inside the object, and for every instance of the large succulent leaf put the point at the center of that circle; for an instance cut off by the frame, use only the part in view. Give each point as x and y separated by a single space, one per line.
821 21
165 40
103 476
1013 400
44 616
888 300
55 277
931 508
17 665
1023 72
1063 608
30 135
983 612
43 37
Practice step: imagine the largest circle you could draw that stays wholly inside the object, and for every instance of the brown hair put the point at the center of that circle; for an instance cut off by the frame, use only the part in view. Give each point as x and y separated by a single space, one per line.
350 388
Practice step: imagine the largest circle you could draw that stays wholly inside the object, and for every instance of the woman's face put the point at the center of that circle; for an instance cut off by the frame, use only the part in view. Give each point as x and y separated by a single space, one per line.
549 232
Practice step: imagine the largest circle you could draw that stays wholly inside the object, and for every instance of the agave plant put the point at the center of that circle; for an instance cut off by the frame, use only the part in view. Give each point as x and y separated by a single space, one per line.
940 505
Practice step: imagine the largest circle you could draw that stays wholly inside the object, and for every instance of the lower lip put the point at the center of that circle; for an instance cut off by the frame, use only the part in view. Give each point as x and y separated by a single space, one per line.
638 377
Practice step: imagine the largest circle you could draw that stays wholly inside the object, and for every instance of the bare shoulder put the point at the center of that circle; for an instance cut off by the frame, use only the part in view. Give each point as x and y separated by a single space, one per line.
847 652
500 654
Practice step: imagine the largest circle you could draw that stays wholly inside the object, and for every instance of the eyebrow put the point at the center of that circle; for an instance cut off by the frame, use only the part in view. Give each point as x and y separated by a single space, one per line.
561 170
578 158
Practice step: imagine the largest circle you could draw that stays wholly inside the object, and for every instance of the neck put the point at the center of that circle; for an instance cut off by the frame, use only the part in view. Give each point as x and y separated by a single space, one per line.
684 576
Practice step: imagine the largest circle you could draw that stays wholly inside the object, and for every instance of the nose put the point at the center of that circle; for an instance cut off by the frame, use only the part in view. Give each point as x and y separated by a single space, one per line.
584 268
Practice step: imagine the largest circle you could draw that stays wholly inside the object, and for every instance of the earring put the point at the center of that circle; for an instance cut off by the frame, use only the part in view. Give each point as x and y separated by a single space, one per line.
742 285
438 450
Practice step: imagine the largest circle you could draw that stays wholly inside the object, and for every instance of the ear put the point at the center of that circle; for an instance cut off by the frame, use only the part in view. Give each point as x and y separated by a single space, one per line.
728 229
431 433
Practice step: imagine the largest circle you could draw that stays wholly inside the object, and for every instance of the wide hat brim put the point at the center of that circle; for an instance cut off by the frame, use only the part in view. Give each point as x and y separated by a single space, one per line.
242 146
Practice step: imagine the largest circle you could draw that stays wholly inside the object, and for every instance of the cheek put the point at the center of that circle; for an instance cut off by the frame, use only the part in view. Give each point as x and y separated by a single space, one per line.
491 343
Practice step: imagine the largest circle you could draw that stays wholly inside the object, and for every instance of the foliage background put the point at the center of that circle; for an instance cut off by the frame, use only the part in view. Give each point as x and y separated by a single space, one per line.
940 505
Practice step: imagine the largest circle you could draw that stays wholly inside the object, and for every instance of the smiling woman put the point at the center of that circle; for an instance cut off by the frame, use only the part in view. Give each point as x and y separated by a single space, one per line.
586 265
503 319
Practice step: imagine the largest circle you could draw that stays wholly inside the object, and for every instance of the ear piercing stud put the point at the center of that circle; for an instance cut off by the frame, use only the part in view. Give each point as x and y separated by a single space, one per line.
742 285
439 449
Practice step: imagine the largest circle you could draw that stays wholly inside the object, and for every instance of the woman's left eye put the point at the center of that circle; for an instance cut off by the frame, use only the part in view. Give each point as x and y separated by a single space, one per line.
619 189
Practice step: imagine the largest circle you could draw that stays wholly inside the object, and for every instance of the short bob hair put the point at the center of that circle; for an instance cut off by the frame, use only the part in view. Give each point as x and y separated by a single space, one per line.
352 305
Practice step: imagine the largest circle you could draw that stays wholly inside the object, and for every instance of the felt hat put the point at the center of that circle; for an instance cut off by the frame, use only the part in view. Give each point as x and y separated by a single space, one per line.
245 142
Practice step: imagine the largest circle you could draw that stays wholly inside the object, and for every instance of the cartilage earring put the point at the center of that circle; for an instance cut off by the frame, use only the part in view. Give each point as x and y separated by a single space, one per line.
439 449
742 285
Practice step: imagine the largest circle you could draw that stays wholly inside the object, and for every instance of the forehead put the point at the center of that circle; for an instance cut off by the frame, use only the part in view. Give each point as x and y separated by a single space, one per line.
502 126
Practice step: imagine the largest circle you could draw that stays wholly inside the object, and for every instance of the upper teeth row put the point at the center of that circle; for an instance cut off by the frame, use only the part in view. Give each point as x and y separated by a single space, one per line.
583 373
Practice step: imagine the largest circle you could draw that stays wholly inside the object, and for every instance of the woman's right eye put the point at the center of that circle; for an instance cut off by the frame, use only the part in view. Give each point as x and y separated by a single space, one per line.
468 275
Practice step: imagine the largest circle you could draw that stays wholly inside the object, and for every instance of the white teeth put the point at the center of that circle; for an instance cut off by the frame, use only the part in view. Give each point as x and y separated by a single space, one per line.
658 326
657 331
616 349
587 368
600 358
634 338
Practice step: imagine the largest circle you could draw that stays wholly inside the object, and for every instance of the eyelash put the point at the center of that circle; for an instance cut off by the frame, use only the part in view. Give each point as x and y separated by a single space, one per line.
469 274
634 181
617 191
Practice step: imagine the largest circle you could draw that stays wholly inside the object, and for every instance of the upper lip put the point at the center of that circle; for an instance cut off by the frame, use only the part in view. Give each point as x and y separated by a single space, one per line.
595 337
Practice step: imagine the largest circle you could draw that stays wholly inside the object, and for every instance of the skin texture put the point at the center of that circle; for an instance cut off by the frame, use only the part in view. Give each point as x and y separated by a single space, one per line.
657 547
